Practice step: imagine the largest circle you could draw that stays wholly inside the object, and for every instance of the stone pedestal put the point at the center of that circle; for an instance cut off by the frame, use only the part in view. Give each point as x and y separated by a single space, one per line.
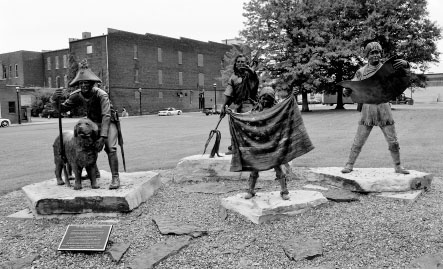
267 206
203 168
46 197
373 179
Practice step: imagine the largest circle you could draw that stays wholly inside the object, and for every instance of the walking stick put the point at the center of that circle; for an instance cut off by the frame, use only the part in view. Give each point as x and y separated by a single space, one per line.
217 141
62 146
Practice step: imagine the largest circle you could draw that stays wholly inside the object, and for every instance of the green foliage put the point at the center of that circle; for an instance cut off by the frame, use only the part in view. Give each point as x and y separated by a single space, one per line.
310 45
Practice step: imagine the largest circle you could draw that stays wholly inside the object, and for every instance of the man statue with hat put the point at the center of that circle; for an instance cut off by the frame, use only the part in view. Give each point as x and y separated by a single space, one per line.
99 110
375 114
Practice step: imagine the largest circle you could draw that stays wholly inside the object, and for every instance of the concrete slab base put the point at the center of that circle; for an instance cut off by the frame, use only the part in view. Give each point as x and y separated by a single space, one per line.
48 198
267 206
373 179
28 214
203 168
407 196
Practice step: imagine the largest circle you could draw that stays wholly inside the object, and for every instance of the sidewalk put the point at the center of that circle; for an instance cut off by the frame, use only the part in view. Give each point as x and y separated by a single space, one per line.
38 120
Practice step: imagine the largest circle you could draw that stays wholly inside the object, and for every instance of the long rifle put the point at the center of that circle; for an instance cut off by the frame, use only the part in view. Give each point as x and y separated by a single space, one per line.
60 131
120 138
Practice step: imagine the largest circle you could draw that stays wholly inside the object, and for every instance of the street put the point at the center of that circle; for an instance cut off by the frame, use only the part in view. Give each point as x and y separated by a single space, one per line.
153 142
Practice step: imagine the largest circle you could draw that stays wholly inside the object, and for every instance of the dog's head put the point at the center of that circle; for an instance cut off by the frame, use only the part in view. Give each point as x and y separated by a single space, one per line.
85 128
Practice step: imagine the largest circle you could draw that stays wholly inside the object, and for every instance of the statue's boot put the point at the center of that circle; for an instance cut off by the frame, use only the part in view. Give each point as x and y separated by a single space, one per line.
113 164
351 160
284 193
251 185
396 158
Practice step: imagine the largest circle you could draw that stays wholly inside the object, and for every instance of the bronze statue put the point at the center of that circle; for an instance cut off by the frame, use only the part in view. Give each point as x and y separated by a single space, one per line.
376 111
269 137
99 110
80 152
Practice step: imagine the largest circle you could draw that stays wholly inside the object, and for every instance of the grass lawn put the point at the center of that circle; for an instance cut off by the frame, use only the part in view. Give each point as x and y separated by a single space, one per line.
419 132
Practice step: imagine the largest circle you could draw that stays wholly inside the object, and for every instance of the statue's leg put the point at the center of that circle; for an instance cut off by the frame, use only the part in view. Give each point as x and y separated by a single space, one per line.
91 174
361 136
284 193
97 172
111 150
394 147
78 177
253 176
58 172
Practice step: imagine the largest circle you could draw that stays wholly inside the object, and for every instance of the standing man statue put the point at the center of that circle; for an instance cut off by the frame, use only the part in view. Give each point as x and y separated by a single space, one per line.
99 110
375 114
242 88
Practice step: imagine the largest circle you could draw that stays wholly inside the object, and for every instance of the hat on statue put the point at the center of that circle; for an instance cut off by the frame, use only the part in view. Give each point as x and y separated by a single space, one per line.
84 73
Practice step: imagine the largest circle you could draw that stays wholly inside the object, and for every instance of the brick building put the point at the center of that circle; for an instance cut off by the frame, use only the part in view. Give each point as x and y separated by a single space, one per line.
143 73
22 70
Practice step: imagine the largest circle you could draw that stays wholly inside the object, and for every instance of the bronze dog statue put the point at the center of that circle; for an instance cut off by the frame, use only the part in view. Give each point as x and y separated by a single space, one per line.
81 152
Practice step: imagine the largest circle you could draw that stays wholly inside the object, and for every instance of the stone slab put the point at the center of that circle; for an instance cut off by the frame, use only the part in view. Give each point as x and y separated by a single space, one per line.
29 214
47 198
267 206
405 196
315 187
373 179
203 168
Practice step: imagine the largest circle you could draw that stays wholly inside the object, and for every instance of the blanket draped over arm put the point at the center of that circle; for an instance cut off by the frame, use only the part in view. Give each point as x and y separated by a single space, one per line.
263 140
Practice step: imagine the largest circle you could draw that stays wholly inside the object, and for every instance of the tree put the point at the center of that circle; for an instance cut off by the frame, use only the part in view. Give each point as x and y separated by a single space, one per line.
313 44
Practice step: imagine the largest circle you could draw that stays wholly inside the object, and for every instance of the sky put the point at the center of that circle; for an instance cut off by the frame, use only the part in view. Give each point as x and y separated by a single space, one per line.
48 24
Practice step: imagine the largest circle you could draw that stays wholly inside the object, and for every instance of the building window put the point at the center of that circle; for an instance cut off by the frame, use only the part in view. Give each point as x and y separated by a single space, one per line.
180 57
11 106
135 52
16 70
180 78
136 75
200 59
56 63
89 49
65 81
159 55
48 63
160 95
49 82
201 79
160 77
65 61
4 72
10 71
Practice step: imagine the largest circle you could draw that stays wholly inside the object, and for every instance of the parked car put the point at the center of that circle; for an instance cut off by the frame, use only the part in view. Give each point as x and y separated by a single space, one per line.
169 111
210 110
49 113
402 99
4 122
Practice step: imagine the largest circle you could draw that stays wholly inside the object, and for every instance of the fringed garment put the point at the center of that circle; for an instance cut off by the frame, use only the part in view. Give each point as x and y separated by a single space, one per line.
263 140
373 114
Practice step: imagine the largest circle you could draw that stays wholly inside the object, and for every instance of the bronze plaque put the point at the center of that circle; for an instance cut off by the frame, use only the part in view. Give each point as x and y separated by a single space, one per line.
85 238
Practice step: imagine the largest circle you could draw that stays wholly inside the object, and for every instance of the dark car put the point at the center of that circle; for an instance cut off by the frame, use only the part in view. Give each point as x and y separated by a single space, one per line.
50 113
403 99
211 110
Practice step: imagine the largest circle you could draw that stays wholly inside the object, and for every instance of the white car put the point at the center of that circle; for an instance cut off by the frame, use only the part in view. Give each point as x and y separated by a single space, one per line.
169 111
4 122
